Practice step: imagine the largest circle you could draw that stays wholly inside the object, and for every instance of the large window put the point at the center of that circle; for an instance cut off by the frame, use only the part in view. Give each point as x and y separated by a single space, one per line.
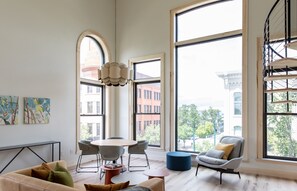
237 103
91 123
280 115
146 82
208 74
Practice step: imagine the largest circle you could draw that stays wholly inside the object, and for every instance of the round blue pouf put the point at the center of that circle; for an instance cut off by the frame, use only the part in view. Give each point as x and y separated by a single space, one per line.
179 161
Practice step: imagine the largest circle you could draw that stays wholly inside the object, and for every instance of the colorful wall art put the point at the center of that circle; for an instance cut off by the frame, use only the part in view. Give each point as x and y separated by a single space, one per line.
9 109
36 110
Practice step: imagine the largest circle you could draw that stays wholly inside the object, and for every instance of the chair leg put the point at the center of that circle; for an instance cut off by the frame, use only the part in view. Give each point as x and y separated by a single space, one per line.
239 175
221 177
129 165
100 174
98 162
101 170
78 163
147 161
197 170
79 167
129 162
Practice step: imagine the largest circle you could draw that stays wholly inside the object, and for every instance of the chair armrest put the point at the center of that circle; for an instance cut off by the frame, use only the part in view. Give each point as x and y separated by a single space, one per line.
233 163
88 148
202 153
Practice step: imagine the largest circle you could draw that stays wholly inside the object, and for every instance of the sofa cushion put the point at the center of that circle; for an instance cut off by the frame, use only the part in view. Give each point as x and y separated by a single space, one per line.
237 142
41 172
107 187
227 148
61 175
215 153
211 160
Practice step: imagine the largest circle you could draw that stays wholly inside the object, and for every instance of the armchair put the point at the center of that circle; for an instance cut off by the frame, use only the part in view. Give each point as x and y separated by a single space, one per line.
109 154
87 149
213 158
139 148
123 149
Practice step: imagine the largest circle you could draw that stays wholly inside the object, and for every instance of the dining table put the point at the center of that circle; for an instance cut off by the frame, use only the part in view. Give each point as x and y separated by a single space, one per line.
114 142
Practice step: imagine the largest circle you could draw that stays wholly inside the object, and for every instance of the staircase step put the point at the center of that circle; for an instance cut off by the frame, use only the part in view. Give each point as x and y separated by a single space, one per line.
281 90
292 45
280 77
283 63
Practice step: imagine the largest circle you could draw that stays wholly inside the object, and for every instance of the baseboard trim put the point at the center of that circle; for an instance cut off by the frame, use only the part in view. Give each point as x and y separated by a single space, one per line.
267 172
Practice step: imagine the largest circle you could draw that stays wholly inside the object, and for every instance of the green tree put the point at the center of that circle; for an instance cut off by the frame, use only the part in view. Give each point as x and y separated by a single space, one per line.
188 115
84 132
152 135
215 117
184 133
205 130
279 128
204 145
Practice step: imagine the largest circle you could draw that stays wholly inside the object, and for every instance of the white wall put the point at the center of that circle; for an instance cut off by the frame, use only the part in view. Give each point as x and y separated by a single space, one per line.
38 59
143 28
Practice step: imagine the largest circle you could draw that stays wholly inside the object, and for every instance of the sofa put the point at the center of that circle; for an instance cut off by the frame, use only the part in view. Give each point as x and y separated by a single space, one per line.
21 180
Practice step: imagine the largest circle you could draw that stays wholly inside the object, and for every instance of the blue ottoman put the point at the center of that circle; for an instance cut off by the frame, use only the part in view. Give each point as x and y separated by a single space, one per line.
179 161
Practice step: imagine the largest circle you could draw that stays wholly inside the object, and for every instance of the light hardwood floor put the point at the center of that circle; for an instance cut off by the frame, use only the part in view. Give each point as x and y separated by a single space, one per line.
206 180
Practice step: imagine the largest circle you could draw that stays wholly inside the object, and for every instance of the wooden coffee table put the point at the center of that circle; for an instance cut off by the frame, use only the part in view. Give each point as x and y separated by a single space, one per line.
156 173
110 172
134 178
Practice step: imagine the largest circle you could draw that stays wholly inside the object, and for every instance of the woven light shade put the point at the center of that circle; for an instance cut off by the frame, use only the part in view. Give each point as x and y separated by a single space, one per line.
113 74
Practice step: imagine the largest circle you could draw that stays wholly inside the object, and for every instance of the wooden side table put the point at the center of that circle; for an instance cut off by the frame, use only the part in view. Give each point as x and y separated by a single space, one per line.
156 173
110 172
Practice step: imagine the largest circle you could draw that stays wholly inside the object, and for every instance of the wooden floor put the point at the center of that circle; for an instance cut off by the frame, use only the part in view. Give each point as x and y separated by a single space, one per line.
206 180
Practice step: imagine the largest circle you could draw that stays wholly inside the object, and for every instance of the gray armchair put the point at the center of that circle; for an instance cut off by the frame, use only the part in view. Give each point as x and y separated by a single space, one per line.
212 159
87 149
123 149
109 154
139 148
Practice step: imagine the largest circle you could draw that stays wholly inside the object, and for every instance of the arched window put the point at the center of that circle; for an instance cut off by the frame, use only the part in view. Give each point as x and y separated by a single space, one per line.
92 52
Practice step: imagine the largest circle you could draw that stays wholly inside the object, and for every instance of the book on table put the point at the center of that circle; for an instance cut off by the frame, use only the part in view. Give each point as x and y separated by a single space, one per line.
113 166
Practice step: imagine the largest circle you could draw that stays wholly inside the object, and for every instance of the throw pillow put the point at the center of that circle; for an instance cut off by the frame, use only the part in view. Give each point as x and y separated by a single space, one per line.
215 153
41 172
61 175
227 148
107 187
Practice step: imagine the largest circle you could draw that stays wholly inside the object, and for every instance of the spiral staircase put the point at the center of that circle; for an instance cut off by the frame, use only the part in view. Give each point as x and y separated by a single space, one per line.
280 54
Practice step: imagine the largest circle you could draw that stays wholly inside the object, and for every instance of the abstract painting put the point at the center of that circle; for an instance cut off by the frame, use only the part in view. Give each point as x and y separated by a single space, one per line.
9 109
36 110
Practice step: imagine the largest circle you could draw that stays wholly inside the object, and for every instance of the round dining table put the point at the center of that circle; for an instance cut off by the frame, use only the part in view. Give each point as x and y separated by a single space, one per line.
114 142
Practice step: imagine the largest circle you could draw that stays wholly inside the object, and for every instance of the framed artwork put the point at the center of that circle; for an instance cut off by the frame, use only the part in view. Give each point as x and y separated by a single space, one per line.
9 109
36 110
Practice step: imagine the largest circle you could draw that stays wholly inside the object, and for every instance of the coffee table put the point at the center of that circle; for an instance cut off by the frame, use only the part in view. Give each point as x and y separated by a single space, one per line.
134 178
110 172
161 173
